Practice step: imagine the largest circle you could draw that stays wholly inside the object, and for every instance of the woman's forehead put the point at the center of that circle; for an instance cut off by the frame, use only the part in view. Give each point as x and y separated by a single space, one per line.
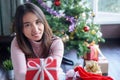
30 17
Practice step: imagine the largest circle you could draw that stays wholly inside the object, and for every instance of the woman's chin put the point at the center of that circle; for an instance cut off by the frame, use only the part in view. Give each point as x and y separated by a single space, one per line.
36 38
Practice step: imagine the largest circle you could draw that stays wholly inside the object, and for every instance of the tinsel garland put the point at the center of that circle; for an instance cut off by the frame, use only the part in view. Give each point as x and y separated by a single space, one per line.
71 19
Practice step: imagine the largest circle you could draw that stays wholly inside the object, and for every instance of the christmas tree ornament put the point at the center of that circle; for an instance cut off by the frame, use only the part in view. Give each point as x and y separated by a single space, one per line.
83 15
65 38
57 2
99 40
93 32
92 14
49 3
86 28
99 34
76 17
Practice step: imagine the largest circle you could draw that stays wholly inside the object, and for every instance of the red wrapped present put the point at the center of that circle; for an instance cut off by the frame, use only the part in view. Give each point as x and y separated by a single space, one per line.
41 69
93 55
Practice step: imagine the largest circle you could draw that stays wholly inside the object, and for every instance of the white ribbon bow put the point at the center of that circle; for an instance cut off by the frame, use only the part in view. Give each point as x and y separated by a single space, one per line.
42 67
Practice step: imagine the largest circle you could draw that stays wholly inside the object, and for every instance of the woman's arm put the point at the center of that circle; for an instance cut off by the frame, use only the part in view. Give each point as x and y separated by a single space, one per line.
18 60
57 50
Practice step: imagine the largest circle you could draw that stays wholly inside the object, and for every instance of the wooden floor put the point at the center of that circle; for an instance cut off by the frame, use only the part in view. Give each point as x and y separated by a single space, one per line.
111 50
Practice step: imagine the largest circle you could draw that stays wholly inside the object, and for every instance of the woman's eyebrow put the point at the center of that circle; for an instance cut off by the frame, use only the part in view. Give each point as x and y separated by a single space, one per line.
32 21
26 22
38 20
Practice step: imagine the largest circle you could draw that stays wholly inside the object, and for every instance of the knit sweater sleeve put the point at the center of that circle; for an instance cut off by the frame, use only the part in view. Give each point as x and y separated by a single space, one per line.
18 60
57 50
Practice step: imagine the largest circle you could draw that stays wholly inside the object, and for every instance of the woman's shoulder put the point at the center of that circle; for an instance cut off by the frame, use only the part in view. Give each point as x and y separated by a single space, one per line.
56 38
56 41
14 41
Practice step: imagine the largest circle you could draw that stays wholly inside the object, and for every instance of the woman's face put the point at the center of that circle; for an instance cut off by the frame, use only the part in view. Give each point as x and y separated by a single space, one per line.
32 27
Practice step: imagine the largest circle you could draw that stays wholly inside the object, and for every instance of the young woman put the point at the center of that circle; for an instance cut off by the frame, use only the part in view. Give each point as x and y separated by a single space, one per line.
34 39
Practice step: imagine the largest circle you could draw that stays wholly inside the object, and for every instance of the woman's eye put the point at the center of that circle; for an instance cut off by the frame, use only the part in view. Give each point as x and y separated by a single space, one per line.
26 25
38 22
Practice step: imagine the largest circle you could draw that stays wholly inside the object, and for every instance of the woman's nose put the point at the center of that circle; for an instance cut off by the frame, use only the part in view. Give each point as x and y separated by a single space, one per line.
35 28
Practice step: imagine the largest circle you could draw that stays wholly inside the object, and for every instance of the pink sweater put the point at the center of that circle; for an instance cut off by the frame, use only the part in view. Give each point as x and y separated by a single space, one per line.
19 61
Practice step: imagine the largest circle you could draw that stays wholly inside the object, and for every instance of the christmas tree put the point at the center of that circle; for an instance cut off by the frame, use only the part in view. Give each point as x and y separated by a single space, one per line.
72 20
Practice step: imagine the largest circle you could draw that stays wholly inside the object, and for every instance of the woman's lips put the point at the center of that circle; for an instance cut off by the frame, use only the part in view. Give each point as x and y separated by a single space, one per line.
36 34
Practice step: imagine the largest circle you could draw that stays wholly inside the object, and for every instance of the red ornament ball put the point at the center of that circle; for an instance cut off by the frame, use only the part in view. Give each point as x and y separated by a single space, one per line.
57 2
86 28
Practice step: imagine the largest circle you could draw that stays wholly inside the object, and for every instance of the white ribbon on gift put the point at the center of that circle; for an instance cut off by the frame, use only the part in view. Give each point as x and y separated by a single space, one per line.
42 67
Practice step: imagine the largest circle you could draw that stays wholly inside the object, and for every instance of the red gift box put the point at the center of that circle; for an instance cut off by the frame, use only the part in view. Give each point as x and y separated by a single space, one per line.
93 55
41 69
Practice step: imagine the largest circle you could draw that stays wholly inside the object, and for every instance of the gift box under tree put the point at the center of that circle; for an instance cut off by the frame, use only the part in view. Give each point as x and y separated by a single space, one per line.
41 69
93 54
101 59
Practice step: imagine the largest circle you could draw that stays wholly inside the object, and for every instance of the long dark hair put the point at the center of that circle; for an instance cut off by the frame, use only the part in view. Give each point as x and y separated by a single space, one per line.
23 42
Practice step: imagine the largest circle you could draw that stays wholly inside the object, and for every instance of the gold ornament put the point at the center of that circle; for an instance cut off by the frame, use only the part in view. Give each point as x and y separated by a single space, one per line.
65 38
76 17
93 32
92 14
